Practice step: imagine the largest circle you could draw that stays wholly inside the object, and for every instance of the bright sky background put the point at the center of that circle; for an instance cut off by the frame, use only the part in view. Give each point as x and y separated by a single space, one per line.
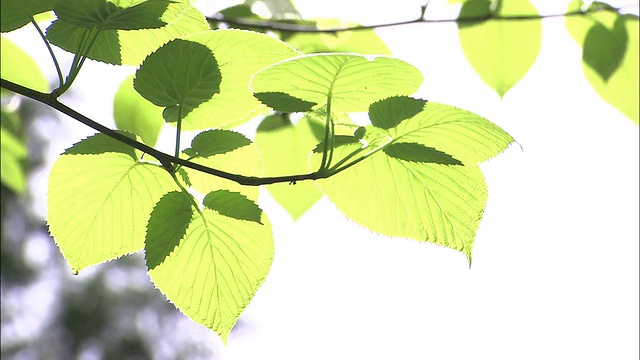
555 272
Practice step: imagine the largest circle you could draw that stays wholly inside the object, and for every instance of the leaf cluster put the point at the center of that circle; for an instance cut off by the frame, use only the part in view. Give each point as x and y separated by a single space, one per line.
411 171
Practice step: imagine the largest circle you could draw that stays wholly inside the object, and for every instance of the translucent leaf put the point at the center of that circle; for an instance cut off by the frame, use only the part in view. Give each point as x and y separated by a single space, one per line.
209 266
15 14
244 160
136 114
501 52
233 204
130 47
358 42
410 188
284 102
17 66
419 153
610 57
13 152
180 73
352 82
239 55
422 201
213 142
460 134
113 14
285 149
99 200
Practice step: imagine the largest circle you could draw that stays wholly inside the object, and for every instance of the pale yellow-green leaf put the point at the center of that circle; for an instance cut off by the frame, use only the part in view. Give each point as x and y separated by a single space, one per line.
209 265
99 200
17 66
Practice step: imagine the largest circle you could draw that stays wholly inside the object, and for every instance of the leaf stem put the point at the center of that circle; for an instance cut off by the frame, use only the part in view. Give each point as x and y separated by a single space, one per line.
178 131
53 56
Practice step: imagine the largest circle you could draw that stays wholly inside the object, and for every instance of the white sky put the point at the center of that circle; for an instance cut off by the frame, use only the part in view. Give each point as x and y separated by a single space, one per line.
555 272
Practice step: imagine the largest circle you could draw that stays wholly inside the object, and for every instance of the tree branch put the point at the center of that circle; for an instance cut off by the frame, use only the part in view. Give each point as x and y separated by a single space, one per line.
166 159
275 25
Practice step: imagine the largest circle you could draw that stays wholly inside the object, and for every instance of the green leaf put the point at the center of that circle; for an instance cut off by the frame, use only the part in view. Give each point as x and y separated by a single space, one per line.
243 160
100 198
116 44
338 140
114 14
419 153
14 152
14 14
239 55
285 149
180 74
284 102
233 204
409 189
17 66
136 114
211 270
501 52
440 204
388 113
213 142
352 82
463 135
610 57
358 42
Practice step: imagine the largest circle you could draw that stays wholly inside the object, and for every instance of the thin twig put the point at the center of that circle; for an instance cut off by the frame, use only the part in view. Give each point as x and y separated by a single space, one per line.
275 25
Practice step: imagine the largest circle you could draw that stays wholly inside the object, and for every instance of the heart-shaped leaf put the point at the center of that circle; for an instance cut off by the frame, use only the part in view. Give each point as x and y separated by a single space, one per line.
209 265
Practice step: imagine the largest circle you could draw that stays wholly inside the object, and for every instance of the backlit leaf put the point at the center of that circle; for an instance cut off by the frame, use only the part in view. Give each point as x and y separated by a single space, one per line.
285 148
463 135
352 82
180 74
136 114
239 55
15 14
210 265
17 66
500 51
243 160
610 57
213 142
232 204
120 45
441 204
99 200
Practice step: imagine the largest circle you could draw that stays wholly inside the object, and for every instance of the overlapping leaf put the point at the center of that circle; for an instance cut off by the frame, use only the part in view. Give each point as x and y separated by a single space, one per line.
239 55
134 113
352 82
15 14
208 264
465 136
416 187
501 52
285 149
610 57
125 32
179 76
99 200
227 151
